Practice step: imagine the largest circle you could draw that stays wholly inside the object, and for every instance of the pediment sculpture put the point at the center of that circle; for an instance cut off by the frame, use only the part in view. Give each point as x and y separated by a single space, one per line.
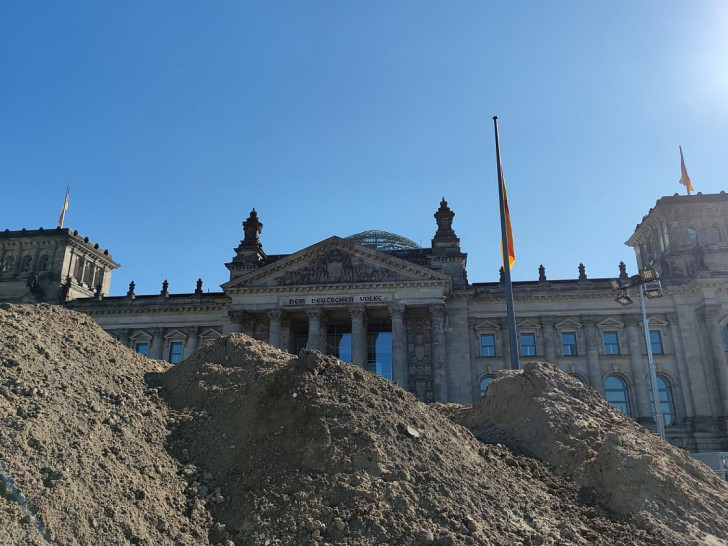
335 267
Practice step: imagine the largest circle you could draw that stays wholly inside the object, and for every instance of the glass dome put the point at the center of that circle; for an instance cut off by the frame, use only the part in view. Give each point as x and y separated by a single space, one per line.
382 240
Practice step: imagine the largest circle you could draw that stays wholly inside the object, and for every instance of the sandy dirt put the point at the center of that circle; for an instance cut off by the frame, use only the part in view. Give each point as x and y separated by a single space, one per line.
244 444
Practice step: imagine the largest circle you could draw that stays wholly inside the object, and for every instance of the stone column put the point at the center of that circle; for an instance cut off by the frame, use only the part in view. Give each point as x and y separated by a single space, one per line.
358 336
314 328
549 338
439 371
34 265
193 340
399 344
156 349
592 354
686 383
639 369
274 330
709 316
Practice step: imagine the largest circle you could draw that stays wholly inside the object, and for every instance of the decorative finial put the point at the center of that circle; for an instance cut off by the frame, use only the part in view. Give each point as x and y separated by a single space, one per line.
130 293
623 272
165 289
541 273
252 228
502 274
198 290
582 272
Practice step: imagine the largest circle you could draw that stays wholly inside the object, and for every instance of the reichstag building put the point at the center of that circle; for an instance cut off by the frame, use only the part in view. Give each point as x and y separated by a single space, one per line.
410 314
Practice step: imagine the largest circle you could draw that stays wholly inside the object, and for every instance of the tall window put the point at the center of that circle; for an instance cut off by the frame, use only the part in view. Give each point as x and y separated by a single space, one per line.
484 384
615 391
44 261
667 404
568 344
656 342
692 237
528 344
487 344
611 343
27 261
175 352
338 340
142 348
714 235
8 264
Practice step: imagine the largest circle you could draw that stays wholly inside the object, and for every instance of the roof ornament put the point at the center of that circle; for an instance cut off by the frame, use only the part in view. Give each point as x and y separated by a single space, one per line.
541 273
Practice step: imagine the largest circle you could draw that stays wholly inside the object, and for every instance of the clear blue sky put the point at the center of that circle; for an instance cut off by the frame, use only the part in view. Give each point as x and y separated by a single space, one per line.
171 120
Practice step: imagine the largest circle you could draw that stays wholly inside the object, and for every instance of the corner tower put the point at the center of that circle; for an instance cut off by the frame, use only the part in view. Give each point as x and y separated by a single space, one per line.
249 253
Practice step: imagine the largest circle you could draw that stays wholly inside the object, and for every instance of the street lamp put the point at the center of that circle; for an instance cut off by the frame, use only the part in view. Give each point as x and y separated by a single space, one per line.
649 285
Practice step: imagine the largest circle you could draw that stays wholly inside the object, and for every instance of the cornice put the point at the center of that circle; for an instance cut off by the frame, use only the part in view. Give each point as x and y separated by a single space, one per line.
288 289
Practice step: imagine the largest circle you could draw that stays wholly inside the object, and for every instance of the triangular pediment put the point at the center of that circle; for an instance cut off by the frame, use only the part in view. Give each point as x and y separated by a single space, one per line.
335 261
528 324
486 325
568 323
610 323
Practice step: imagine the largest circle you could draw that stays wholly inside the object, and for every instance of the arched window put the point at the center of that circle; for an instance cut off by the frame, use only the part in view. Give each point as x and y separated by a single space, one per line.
667 404
44 263
8 264
615 391
714 235
27 261
484 383
692 239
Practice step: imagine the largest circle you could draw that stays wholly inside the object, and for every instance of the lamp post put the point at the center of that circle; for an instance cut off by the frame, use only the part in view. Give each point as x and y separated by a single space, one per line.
649 286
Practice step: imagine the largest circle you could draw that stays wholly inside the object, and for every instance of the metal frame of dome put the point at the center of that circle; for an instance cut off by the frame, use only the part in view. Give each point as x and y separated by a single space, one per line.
382 240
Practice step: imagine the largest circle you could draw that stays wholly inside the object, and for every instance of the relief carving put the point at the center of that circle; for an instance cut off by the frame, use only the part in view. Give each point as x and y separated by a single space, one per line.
419 359
335 267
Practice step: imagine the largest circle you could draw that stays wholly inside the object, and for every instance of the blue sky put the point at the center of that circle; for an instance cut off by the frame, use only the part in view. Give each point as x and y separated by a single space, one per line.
171 120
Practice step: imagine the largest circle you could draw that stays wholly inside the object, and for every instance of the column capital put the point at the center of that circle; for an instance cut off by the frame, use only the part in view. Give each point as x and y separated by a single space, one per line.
357 311
589 320
437 311
314 313
709 312
672 319
633 321
193 331
547 321
275 314
396 310
237 315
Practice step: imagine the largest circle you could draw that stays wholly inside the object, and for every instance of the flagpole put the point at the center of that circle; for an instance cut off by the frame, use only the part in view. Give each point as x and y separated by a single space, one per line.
512 334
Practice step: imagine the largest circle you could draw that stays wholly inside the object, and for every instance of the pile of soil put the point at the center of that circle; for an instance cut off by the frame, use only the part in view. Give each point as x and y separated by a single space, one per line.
244 444
549 415
82 438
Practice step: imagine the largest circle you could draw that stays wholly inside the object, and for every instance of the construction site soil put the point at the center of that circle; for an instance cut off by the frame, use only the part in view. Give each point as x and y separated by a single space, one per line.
245 444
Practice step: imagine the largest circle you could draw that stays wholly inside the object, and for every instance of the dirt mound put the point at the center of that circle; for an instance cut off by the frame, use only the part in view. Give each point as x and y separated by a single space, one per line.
243 444
286 450
547 414
82 438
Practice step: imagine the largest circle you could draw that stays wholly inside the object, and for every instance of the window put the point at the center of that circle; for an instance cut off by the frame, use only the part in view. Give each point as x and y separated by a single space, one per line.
528 344
714 235
692 237
487 344
26 263
615 391
656 342
667 405
142 348
175 352
8 264
484 384
44 262
611 343
568 343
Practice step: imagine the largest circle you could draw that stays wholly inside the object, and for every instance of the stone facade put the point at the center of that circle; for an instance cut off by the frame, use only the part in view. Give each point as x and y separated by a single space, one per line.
411 314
